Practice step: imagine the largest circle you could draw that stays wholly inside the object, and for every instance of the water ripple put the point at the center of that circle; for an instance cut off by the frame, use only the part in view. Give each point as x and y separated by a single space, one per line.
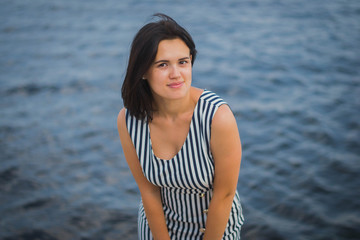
288 69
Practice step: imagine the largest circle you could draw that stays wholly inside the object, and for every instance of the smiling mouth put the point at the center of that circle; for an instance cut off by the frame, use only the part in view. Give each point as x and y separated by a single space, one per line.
176 85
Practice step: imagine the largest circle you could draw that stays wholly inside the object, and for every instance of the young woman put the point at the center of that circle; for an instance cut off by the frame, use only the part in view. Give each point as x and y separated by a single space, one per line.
181 143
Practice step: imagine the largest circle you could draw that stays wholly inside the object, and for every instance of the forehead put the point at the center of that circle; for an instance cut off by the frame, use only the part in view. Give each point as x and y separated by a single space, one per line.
172 48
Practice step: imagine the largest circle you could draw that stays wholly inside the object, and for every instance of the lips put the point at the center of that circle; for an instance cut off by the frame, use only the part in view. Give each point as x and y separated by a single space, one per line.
176 84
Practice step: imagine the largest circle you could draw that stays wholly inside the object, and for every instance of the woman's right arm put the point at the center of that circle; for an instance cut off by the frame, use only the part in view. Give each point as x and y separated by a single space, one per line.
150 193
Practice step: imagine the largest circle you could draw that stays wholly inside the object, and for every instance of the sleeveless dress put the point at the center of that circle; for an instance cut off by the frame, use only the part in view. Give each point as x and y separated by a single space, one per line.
186 180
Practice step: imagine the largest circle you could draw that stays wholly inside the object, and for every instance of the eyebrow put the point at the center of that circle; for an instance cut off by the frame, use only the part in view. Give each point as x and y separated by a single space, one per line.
160 61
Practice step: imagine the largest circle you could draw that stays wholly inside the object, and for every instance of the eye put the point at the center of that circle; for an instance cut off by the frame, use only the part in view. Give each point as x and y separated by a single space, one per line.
182 62
161 65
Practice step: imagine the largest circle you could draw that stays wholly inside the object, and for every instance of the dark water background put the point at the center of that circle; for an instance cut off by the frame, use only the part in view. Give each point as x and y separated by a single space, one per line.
290 70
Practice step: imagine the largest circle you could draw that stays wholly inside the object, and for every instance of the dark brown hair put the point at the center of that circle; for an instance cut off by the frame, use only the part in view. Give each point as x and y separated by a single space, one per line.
136 92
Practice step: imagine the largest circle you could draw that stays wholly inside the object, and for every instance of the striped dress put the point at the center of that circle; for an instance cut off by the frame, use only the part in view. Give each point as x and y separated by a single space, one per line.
186 180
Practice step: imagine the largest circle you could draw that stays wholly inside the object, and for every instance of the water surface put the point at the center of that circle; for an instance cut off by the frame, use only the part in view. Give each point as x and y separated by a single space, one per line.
288 68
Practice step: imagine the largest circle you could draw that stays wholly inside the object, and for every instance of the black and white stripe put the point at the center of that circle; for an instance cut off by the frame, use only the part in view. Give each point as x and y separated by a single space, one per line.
186 179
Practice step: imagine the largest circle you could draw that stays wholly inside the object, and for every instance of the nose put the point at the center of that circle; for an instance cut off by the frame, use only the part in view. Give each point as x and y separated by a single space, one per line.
175 72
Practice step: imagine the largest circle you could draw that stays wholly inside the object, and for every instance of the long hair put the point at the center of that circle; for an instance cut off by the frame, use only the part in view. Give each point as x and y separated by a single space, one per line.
135 91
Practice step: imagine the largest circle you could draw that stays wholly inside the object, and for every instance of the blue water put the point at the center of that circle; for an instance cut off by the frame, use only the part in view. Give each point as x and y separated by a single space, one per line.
290 70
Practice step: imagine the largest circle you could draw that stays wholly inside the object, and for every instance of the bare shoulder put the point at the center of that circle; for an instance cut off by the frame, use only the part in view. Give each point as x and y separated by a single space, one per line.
124 135
121 123
223 118
196 93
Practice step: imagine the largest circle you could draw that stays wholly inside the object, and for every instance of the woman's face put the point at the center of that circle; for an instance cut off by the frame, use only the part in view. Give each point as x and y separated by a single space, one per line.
169 76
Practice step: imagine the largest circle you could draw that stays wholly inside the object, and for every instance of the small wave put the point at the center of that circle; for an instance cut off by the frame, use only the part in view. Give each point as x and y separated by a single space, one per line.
31 89
32 234
8 175
37 203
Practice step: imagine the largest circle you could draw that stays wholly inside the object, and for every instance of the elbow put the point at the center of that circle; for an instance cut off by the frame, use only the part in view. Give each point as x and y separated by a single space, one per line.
229 196
224 196
150 193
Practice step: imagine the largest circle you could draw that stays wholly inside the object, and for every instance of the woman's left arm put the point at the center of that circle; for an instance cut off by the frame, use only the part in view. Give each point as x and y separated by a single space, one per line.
226 149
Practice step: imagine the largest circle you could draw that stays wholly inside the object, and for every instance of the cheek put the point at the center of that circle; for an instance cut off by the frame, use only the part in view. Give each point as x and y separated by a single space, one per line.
156 79
157 74
187 72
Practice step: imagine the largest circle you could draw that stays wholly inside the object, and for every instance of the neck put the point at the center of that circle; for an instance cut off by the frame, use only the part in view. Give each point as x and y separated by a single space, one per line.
172 109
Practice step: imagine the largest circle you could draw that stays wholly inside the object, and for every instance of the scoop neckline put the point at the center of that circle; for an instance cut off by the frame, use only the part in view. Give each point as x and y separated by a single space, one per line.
187 136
